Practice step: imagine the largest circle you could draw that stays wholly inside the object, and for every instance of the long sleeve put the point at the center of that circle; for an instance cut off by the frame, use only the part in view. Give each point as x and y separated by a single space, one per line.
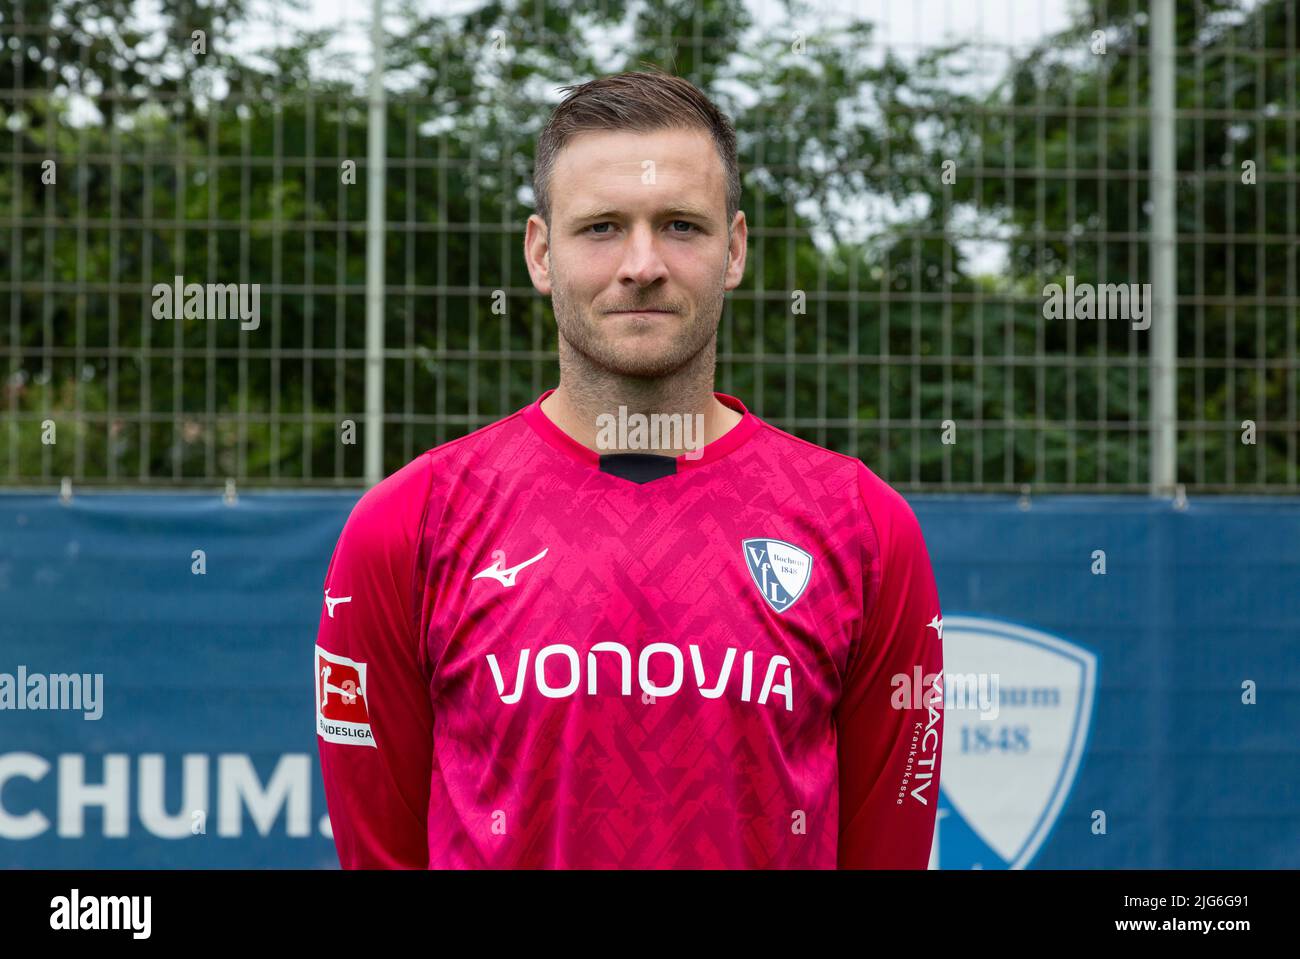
374 721
889 721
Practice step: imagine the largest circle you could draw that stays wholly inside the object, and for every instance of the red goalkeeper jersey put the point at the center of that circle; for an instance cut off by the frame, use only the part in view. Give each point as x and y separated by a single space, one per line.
534 655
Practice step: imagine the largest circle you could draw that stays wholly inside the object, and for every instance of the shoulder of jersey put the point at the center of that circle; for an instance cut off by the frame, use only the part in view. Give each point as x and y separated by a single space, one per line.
416 475
436 459
482 436
818 456
881 494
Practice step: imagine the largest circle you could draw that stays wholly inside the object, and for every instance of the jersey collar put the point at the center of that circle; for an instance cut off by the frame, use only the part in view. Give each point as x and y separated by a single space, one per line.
566 444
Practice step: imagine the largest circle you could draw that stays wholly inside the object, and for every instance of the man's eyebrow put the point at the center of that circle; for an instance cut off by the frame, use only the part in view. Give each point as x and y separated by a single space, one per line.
694 213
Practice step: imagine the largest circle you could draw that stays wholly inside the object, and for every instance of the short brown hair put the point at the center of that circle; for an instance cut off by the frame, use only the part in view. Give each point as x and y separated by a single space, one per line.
640 101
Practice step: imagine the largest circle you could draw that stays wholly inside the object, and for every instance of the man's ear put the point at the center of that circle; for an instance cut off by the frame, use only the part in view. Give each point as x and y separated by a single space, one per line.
537 237
737 244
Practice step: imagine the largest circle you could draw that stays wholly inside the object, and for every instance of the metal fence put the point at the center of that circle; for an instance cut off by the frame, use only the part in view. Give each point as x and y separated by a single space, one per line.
897 303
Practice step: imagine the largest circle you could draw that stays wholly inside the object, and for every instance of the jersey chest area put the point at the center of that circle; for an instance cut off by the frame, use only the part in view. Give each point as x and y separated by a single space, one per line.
738 612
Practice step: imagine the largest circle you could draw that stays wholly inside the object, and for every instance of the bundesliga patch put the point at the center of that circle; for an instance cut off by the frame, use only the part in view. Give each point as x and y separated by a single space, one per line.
341 714
781 571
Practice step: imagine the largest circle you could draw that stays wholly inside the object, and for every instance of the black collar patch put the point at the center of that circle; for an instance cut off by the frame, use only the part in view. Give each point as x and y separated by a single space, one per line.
638 467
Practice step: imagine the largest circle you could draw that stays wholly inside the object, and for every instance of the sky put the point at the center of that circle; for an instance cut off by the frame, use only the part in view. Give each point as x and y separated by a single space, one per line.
902 25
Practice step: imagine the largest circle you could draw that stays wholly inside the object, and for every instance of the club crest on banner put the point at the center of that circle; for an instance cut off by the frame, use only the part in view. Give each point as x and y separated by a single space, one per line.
1009 760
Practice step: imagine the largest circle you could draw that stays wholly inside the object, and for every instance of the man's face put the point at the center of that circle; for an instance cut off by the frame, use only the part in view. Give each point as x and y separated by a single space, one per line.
638 223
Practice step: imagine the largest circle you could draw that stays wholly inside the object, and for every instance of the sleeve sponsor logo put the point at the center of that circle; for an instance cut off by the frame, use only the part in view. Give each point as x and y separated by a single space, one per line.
341 712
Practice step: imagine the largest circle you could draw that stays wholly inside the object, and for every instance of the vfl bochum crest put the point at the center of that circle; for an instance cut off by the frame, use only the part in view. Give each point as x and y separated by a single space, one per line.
1011 752
781 571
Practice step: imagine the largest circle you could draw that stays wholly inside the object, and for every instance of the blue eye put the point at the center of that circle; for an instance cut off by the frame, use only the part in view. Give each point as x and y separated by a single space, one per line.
693 227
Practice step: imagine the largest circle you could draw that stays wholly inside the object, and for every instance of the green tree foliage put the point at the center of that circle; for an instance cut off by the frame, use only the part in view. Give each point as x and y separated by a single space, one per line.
228 167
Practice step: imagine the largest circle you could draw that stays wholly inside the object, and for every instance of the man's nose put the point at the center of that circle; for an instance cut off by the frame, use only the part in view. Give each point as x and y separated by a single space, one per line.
642 262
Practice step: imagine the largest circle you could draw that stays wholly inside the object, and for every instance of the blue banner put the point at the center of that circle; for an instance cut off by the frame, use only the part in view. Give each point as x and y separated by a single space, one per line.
1122 679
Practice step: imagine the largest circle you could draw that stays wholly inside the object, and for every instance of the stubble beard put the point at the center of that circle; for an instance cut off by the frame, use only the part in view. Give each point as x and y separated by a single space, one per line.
586 350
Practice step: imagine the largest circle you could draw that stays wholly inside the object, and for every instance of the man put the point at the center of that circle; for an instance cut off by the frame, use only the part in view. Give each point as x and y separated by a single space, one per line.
543 648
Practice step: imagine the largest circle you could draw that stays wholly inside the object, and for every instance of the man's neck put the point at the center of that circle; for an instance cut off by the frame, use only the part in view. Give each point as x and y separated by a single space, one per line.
585 395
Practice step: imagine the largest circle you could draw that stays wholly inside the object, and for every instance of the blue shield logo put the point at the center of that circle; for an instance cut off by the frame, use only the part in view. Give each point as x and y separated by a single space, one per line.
1010 759
781 571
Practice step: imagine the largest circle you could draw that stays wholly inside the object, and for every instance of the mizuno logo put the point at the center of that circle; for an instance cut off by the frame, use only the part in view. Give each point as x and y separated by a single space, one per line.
937 625
506 577
332 601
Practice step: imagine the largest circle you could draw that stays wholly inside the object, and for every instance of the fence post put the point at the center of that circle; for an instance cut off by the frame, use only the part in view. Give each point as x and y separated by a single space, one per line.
375 136
1164 278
